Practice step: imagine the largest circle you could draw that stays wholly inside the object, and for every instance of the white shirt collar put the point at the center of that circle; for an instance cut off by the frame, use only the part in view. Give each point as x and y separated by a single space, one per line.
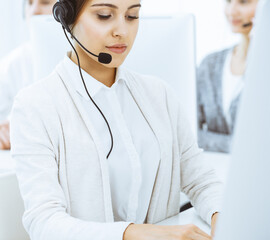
93 85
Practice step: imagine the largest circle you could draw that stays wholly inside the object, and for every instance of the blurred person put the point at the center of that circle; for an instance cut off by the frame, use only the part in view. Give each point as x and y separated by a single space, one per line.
103 152
16 70
220 81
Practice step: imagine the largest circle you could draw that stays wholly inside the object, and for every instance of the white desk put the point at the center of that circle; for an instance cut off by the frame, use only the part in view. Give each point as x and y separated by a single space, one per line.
11 204
6 163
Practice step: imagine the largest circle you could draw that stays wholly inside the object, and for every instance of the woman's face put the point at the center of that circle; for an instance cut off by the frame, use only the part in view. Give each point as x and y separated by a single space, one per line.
108 26
239 13
38 7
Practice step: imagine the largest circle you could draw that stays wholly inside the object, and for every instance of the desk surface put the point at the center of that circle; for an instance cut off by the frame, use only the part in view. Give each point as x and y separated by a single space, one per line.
6 163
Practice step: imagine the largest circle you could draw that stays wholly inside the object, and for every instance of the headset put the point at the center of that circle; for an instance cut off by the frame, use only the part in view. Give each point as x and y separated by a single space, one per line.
249 24
64 13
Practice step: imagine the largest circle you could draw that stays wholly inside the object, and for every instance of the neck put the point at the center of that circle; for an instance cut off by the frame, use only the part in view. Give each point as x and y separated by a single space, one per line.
97 70
242 48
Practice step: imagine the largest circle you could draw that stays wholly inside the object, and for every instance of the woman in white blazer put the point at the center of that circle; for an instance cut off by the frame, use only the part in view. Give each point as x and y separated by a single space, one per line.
74 185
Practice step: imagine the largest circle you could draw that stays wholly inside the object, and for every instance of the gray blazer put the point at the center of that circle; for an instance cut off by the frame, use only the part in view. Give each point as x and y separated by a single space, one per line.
215 131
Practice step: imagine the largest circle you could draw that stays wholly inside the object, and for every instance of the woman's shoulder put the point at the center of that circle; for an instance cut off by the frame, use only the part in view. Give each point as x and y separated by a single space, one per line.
215 58
41 91
20 56
156 89
146 82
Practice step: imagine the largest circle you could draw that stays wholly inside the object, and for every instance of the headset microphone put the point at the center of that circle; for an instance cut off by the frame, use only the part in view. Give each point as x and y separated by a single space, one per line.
104 58
247 24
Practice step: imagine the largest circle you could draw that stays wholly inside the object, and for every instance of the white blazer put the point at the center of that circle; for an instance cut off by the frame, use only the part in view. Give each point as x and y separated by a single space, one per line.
63 172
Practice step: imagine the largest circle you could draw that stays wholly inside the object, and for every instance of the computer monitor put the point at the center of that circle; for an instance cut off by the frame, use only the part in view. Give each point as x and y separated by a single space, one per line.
11 208
165 47
246 208
49 44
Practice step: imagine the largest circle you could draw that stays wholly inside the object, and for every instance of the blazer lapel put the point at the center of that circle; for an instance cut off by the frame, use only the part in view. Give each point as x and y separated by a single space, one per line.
152 119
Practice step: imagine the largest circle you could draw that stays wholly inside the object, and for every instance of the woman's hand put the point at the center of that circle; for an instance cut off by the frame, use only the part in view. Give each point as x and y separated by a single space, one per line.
213 223
4 136
155 232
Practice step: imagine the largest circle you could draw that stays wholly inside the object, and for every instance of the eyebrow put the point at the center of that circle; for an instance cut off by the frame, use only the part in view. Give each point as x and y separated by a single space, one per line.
113 6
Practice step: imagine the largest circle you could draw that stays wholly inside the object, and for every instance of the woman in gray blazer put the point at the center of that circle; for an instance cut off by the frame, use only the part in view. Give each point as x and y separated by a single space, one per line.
220 81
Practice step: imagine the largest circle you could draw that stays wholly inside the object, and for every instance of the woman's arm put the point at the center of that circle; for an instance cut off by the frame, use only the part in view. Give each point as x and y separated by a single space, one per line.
6 96
198 180
4 135
209 140
34 149
199 183
212 141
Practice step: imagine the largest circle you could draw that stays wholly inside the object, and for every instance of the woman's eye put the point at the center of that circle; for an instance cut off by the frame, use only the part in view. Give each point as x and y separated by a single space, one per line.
132 17
103 17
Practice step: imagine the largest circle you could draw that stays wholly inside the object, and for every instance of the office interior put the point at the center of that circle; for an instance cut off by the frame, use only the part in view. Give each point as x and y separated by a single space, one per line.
190 30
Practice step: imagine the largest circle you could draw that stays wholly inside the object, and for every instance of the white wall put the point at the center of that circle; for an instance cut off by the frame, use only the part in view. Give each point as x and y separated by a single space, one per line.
160 7
11 24
213 32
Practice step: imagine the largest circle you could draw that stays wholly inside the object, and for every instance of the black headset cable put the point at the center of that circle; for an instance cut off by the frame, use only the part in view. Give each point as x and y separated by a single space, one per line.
88 92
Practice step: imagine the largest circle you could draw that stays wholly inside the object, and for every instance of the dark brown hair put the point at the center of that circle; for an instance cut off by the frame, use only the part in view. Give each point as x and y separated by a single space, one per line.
79 4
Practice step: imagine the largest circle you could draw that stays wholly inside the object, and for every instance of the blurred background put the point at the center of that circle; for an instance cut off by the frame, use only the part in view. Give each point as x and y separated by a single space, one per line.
185 53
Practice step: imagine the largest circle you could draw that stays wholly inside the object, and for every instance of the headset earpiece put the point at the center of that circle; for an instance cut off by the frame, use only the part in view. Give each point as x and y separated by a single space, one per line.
64 12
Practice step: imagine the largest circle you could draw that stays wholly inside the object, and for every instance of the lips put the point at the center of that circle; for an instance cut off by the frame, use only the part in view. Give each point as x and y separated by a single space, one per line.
236 22
118 48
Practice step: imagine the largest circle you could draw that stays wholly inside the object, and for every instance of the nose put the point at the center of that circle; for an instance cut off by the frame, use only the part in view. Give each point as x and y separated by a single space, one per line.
121 28
233 9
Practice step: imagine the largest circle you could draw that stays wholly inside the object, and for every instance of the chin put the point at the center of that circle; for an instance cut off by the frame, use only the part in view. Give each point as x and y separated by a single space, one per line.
236 30
116 62
113 64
